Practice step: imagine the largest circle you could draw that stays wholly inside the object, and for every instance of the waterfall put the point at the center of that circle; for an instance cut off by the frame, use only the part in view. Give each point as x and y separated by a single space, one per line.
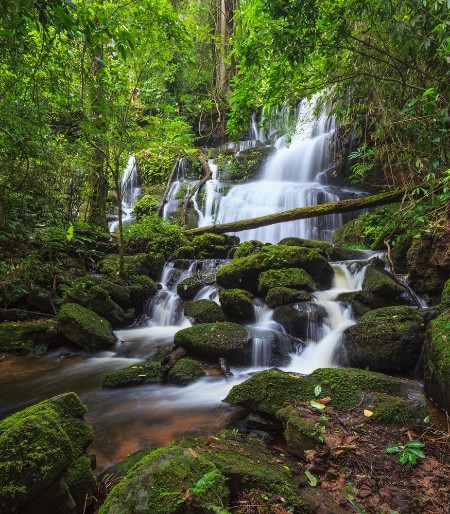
178 181
295 176
130 191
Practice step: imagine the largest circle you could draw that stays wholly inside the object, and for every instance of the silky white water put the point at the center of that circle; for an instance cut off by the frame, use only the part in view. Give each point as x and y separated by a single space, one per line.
130 191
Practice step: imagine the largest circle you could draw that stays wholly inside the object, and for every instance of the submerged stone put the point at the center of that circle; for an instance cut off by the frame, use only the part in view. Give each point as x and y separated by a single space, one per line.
211 341
387 339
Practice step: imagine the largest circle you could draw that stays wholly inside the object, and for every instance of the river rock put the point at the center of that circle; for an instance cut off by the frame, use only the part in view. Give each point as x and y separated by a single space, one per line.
243 166
136 374
363 302
211 341
24 337
388 339
135 265
85 328
191 285
216 246
301 431
43 465
244 272
278 296
237 305
185 371
349 234
445 297
293 278
203 311
437 360
300 319
247 248
381 283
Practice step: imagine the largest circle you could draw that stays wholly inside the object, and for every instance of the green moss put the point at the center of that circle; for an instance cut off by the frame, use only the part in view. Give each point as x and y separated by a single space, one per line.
300 434
135 265
445 299
27 336
116 288
190 286
243 166
158 484
237 304
80 480
243 273
35 448
203 311
381 283
85 328
278 296
214 340
211 245
247 248
141 288
437 360
141 373
185 371
396 411
350 235
293 278
307 243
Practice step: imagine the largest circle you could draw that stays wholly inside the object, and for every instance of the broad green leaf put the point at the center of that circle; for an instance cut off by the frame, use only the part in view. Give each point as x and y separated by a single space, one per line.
313 480
316 405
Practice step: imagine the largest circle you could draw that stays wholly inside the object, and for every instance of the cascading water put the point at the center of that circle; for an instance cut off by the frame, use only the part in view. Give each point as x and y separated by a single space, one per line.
130 192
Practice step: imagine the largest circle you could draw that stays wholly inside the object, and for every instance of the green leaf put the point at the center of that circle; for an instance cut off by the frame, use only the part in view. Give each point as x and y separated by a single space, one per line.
403 457
393 448
70 233
313 480
414 444
316 405
317 390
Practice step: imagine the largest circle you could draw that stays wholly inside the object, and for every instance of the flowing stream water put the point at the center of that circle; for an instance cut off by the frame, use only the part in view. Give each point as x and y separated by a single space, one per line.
128 419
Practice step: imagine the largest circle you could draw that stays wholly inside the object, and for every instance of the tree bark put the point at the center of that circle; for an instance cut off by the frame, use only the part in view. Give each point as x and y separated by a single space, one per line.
172 358
304 213
207 171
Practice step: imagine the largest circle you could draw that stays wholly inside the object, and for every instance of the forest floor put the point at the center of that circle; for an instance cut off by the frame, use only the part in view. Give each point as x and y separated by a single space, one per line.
361 477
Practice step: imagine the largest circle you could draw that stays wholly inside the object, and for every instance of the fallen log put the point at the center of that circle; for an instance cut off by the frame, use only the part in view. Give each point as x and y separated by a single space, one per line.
170 361
354 204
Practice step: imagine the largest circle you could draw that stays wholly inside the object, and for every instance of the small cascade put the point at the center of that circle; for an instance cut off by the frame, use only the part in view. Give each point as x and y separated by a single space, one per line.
130 188
179 180
206 212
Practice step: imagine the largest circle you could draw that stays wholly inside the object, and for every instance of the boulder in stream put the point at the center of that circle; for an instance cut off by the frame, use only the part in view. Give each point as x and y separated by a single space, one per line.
381 283
43 464
24 337
210 341
203 311
85 328
387 340
136 374
185 371
191 285
237 305
300 319
278 296
293 278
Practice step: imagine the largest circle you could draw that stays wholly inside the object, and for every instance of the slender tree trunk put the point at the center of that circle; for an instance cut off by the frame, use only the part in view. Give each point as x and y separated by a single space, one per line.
303 213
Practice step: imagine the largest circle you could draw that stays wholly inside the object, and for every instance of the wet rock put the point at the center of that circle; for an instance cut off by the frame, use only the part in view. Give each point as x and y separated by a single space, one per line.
191 285
214 246
445 297
293 278
278 296
363 302
44 467
437 360
237 305
203 311
185 371
28 337
243 273
349 234
247 248
211 341
244 165
300 319
140 373
301 434
381 283
388 339
135 265
85 328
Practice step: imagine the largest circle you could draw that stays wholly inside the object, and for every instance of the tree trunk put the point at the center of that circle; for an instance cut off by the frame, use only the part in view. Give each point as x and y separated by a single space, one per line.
172 358
304 213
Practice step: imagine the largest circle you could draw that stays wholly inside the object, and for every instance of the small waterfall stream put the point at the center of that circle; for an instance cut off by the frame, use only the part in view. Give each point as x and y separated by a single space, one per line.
130 192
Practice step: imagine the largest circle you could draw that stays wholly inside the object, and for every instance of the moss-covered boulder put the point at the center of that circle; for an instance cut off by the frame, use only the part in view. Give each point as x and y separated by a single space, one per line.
24 337
160 481
136 374
190 286
237 305
141 289
214 246
247 248
293 278
203 311
381 283
85 328
243 166
301 433
300 319
243 273
43 466
278 296
350 234
116 288
210 341
437 360
363 302
388 339
445 297
185 371
135 265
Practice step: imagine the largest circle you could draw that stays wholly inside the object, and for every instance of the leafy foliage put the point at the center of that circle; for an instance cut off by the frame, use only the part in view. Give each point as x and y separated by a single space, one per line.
407 452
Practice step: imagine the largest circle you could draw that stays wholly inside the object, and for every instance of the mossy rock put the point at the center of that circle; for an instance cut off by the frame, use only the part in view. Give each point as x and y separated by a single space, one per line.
307 243
243 166
350 234
158 484
210 341
237 305
85 328
25 337
300 318
214 246
390 410
278 296
381 283
116 288
293 278
437 361
37 454
388 339
203 311
79 479
362 302
185 371
140 290
137 374
96 299
445 298
300 434
243 273
135 265
269 390
247 248
191 285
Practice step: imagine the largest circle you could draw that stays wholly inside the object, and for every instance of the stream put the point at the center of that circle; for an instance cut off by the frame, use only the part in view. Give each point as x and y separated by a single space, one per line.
128 419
